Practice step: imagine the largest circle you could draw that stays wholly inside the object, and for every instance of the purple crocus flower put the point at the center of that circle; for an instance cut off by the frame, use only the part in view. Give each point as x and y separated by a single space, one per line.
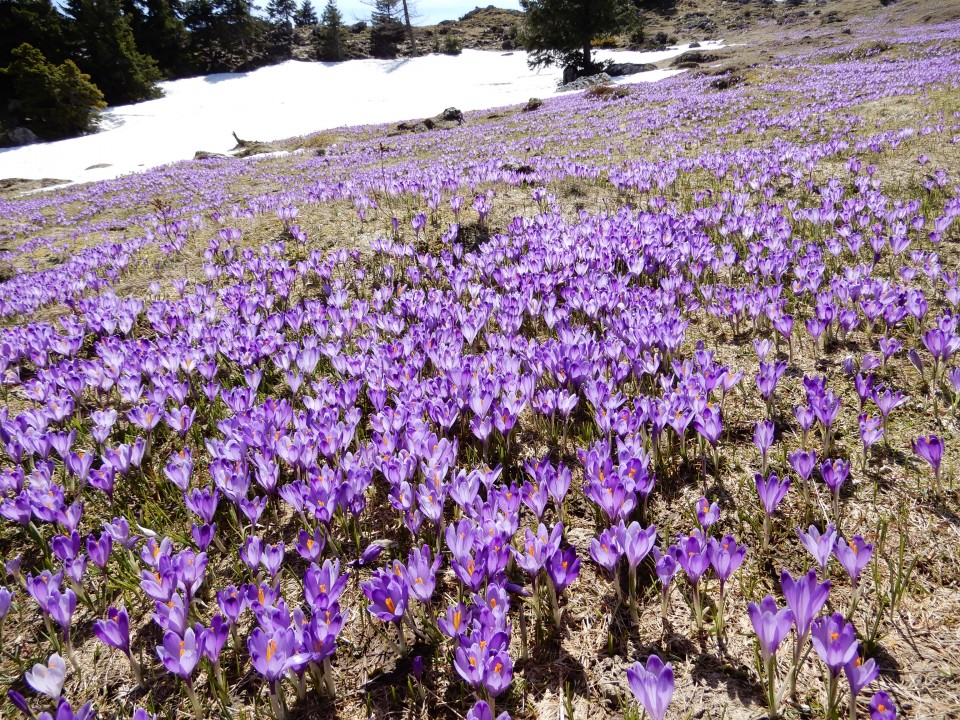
854 555
805 597
388 596
834 474
819 545
115 630
203 535
20 702
563 568
48 679
763 433
871 430
213 638
707 513
725 557
66 712
538 548
273 654
323 585
497 673
835 641
709 425
454 621
482 711
693 558
882 707
421 573
635 541
6 597
771 624
61 606
606 551
469 664
252 552
771 491
179 655
272 558
99 550
308 546
652 685
803 463
860 673
666 567
930 448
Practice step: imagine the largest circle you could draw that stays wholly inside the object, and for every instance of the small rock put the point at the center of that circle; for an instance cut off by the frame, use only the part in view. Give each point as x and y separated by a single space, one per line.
689 59
621 69
451 113
694 45
724 82
98 166
533 104
21 136
585 82
16 185
204 155
569 74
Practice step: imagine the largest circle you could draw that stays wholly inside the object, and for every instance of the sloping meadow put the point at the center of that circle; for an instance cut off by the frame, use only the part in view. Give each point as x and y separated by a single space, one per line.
640 401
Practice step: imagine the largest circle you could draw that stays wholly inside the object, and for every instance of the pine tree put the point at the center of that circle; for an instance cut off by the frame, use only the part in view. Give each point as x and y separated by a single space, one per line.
281 11
241 34
163 37
305 15
54 101
331 38
560 31
386 30
104 47
224 35
35 22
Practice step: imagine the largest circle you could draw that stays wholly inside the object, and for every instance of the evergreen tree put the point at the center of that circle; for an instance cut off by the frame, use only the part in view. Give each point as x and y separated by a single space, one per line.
560 31
54 101
281 11
305 15
386 30
240 32
163 37
224 36
35 22
104 48
331 38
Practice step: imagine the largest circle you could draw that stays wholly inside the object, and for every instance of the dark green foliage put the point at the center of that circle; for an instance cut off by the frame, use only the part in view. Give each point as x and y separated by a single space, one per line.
386 29
35 22
305 15
451 45
330 46
281 11
225 36
560 31
160 33
103 46
54 101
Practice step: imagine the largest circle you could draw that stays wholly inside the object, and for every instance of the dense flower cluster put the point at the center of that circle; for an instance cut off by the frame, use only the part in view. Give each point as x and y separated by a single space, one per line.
289 442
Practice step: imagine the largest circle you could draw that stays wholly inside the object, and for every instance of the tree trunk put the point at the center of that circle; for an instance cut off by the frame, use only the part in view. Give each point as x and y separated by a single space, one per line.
406 20
587 63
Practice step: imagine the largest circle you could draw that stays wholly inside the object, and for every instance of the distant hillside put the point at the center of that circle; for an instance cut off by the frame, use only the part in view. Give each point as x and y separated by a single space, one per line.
489 28
666 22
